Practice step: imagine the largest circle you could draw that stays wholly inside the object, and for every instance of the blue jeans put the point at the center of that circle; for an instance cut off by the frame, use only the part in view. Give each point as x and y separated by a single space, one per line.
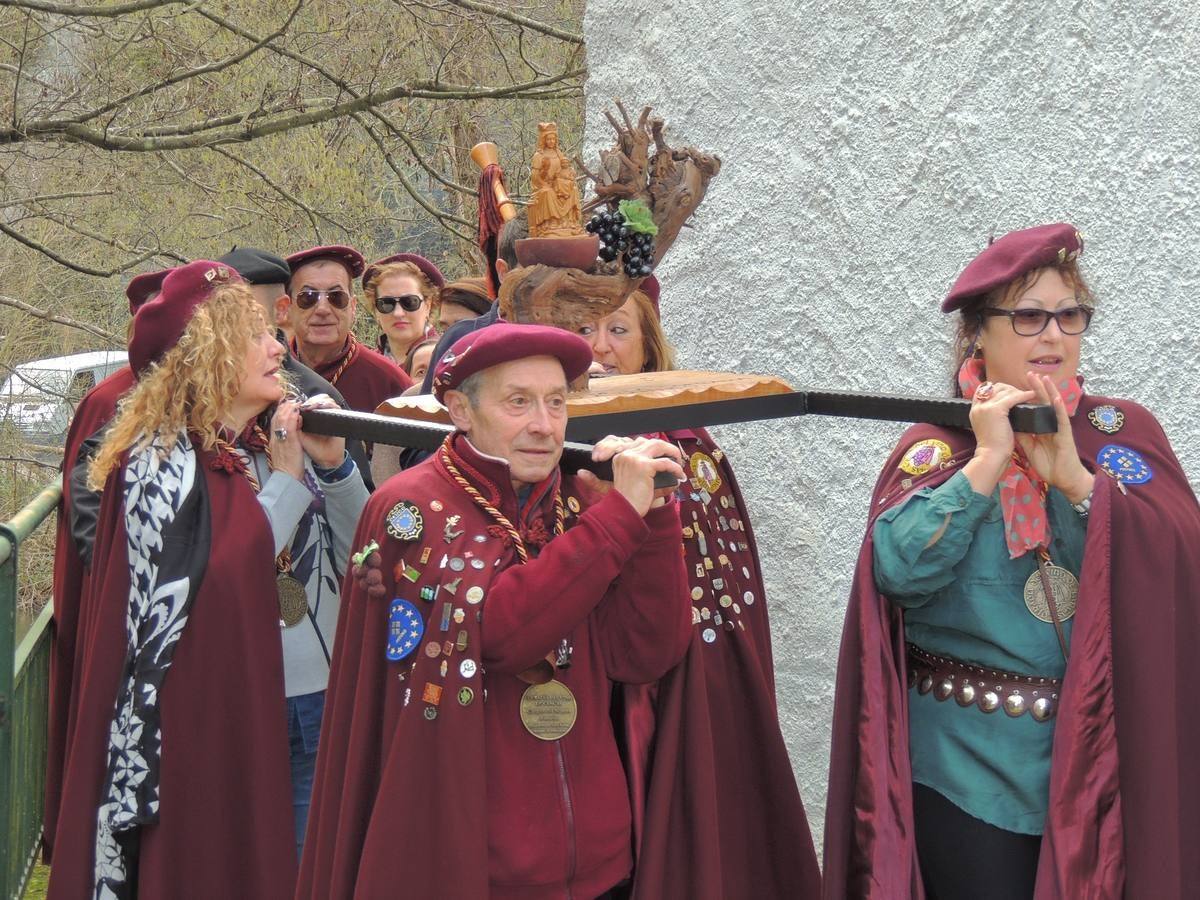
304 731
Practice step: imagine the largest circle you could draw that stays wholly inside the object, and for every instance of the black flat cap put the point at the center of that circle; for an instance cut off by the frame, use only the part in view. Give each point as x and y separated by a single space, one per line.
257 266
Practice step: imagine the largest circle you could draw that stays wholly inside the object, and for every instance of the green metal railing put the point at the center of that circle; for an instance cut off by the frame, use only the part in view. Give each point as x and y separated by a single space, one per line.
24 700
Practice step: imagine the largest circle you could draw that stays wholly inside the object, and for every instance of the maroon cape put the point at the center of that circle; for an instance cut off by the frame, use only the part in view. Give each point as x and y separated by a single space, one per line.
368 380
713 790
1124 808
94 411
420 794
225 823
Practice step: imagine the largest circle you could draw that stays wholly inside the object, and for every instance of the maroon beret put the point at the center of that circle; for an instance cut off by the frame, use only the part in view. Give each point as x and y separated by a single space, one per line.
1011 256
347 256
160 323
432 272
144 286
651 288
505 342
470 293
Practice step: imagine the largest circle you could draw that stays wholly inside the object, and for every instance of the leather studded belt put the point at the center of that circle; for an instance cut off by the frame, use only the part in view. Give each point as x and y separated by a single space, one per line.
988 689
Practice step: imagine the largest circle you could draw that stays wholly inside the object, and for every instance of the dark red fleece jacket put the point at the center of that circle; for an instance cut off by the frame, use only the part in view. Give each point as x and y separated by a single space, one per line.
423 790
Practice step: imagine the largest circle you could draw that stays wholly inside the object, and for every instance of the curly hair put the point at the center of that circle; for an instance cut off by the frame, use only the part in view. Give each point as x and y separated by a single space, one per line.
371 289
971 318
193 387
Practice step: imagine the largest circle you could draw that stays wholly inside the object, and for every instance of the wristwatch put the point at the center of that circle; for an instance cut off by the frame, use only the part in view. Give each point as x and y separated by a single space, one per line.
1083 507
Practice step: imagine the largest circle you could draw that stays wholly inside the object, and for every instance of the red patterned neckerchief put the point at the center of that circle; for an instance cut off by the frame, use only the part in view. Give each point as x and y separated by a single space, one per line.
1022 492
333 369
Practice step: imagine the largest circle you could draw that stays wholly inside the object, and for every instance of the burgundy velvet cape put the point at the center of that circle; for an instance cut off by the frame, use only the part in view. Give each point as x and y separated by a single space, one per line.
225 823
722 814
94 411
1124 808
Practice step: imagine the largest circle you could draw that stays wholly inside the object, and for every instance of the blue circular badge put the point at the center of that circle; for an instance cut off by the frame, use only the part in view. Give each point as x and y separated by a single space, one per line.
1125 465
405 628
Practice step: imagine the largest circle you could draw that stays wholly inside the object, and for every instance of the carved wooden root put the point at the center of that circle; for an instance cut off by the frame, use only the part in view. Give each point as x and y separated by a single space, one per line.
566 298
672 182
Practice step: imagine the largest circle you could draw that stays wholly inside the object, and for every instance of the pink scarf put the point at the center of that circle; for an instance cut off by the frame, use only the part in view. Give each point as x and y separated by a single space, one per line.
1022 493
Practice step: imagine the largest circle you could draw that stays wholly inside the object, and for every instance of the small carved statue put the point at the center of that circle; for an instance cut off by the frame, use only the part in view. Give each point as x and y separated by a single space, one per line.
554 207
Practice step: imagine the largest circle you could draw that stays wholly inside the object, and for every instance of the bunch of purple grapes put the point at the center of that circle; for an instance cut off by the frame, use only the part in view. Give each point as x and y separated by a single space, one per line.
617 238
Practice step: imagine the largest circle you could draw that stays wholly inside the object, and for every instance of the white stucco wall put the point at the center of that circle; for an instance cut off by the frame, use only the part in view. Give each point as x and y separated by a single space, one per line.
868 150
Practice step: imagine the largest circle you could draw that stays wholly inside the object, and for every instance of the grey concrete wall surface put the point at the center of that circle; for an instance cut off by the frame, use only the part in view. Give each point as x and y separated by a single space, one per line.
869 148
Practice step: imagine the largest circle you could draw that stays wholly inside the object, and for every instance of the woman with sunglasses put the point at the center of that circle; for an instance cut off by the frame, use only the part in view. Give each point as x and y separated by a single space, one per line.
400 291
1006 722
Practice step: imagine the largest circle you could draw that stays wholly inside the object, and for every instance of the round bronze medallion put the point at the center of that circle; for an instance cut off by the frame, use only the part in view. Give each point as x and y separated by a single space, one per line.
293 599
548 711
1066 594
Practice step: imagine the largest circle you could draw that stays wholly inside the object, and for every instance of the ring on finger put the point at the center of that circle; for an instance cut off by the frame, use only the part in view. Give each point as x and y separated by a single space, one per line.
281 433
984 391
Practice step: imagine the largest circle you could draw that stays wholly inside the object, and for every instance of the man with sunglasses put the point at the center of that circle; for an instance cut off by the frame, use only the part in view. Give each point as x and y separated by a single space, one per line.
267 275
320 305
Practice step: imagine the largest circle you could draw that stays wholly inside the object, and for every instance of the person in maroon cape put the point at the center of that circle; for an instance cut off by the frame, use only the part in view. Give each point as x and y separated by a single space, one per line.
94 411
468 749
1013 715
320 305
716 806
176 781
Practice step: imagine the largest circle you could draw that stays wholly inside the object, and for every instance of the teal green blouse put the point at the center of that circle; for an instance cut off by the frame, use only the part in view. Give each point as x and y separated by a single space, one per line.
963 597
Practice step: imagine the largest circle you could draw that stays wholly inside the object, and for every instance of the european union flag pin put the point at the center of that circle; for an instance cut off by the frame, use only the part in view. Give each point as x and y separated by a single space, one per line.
405 628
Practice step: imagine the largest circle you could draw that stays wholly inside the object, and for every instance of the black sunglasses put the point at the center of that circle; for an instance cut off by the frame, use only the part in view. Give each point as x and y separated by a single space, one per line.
310 297
1030 321
408 303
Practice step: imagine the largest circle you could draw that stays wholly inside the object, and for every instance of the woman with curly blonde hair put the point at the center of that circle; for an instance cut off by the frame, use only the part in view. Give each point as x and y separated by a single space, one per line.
177 782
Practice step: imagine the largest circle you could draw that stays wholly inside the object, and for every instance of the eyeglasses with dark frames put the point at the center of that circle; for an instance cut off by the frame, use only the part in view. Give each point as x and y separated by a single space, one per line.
310 297
408 303
1029 321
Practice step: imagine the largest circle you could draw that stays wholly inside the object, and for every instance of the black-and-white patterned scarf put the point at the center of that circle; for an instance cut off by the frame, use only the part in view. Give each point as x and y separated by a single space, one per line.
165 505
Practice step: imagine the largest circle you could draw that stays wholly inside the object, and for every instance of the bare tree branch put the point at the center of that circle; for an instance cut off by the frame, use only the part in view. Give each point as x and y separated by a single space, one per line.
44 198
124 101
523 21
313 214
345 87
112 242
20 73
63 9
396 131
442 217
78 267
238 117
62 320
32 462
74 132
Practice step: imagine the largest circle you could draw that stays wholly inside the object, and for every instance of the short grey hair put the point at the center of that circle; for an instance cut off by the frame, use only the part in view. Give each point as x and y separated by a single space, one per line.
470 388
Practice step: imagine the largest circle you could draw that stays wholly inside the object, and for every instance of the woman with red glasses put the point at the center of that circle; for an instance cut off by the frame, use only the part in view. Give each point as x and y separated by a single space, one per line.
400 290
1006 722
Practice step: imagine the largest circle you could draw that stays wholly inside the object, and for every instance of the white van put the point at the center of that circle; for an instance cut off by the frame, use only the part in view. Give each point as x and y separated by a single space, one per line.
39 397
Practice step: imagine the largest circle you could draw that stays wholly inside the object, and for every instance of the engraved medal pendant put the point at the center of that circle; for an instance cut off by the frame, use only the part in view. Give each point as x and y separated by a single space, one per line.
1066 593
293 599
548 711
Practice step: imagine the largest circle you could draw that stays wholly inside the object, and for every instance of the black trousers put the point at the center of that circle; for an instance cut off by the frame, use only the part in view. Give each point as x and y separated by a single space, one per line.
963 858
